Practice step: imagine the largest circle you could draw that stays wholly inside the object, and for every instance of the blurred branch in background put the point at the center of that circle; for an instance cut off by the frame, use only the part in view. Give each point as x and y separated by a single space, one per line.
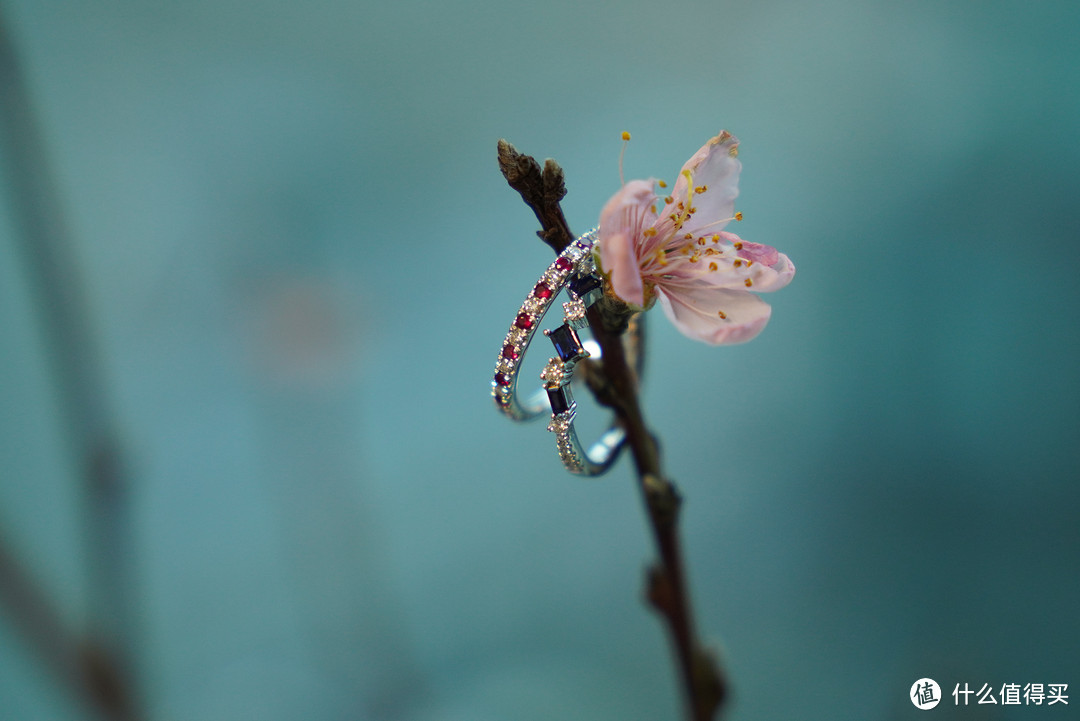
98 669
81 664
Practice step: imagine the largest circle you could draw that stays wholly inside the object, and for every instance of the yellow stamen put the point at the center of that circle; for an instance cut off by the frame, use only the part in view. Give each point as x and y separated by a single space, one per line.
738 245
661 183
682 214
737 263
713 266
748 282
722 314
626 139
650 232
738 216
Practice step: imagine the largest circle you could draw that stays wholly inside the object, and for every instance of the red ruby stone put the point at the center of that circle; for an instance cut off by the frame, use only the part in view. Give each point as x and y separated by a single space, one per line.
564 264
502 379
542 291
524 321
509 352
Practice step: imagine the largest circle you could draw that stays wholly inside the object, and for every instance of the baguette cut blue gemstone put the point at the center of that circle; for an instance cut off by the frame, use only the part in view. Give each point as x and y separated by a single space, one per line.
567 344
585 284
561 399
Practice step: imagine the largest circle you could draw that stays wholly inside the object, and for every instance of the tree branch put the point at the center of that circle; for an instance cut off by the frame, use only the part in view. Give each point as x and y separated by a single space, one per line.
615 385
542 190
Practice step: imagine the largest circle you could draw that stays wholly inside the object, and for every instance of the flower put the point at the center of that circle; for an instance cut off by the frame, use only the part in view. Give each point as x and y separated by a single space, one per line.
702 276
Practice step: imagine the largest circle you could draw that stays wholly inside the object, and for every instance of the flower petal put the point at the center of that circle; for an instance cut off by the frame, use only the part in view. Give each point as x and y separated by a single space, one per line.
718 316
731 263
619 261
629 211
622 233
779 274
714 171
754 251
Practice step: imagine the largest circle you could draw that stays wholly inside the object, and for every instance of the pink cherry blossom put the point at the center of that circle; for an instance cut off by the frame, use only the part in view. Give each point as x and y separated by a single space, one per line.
704 278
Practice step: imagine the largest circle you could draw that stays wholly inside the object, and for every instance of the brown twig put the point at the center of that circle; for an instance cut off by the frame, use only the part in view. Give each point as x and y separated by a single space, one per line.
542 190
615 385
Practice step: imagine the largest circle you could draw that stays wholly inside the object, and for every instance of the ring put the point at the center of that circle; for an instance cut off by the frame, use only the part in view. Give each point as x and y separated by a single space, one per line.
603 453
573 269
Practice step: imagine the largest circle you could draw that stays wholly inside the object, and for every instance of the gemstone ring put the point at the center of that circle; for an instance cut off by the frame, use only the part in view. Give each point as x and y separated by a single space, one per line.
599 457
574 271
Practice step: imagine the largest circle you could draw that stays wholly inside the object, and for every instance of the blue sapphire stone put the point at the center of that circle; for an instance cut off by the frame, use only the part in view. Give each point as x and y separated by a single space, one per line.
561 399
567 344
582 285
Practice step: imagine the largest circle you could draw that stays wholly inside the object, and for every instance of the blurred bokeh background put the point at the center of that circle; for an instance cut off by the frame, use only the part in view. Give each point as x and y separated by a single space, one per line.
257 259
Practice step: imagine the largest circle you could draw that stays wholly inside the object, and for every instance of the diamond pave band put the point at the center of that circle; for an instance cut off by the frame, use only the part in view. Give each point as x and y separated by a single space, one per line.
573 269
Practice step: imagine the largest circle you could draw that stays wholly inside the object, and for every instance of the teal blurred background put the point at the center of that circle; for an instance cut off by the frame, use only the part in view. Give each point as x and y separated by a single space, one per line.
256 259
